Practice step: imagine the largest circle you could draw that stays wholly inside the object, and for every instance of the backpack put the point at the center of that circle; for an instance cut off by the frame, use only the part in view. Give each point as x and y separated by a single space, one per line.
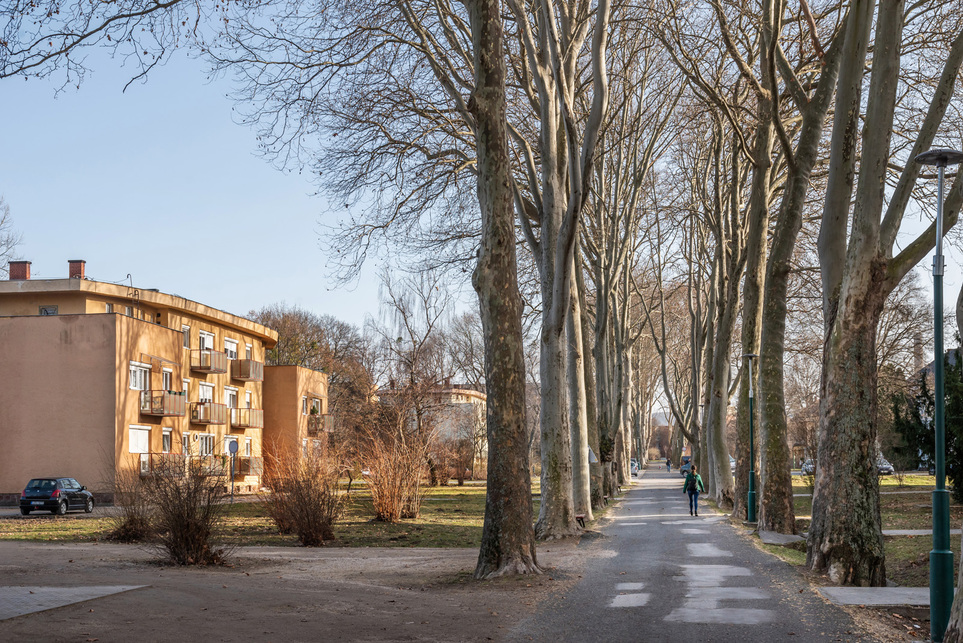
691 484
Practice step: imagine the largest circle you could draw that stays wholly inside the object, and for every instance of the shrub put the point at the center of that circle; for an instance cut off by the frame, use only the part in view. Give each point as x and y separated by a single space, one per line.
133 522
396 471
187 502
304 498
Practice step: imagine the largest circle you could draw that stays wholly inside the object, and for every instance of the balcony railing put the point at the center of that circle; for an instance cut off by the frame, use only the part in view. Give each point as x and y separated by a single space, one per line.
208 413
247 418
177 464
247 370
248 466
206 360
163 403
318 424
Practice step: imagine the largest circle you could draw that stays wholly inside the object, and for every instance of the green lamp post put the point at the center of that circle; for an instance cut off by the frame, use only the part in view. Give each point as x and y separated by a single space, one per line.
751 501
941 557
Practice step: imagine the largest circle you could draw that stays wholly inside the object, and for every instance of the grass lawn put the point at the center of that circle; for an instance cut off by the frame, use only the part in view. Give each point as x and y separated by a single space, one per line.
907 557
451 516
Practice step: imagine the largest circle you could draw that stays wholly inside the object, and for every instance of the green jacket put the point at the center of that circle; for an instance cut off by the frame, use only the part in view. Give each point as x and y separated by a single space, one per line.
698 480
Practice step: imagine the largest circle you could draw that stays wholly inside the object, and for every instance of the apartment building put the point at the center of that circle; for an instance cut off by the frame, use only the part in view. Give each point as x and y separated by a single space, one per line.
98 377
295 408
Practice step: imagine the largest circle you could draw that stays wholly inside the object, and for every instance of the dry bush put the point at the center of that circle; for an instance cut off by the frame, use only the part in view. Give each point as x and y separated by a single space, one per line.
396 470
187 502
133 522
304 498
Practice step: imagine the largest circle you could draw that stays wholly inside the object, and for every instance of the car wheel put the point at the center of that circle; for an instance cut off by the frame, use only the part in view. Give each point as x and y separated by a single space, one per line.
61 508
25 512
89 507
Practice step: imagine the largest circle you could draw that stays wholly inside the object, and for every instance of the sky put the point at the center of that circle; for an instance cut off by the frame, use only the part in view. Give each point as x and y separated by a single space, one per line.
159 182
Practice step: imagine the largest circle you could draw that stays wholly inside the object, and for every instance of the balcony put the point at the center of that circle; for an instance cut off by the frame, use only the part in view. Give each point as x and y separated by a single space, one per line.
248 466
247 418
208 413
177 465
206 360
247 370
318 424
163 403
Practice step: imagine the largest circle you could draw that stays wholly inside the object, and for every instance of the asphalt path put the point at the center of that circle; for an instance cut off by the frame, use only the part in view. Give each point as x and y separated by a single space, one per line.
659 574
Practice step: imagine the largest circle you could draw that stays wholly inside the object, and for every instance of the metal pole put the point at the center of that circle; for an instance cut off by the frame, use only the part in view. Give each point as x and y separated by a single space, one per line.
941 557
751 500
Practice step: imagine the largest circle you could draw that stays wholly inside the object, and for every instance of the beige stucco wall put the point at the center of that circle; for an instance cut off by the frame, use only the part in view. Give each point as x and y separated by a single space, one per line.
57 392
284 386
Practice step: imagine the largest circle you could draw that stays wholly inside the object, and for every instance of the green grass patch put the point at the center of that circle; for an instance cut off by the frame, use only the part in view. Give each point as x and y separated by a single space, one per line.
792 555
908 558
53 528
450 516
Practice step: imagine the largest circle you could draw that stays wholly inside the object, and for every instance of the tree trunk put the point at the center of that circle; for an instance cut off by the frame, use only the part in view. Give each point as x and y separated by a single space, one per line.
556 514
845 538
581 478
508 540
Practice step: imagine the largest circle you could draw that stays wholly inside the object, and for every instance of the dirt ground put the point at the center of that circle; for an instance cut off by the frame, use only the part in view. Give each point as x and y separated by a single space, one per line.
278 594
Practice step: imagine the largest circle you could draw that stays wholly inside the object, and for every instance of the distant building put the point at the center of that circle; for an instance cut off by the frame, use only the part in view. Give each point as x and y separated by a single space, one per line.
100 377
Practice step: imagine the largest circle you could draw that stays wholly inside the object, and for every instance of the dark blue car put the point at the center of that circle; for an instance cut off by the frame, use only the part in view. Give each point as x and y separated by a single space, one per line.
56 495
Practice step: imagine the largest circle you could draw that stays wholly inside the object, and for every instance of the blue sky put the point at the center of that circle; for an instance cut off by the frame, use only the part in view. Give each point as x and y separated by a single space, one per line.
160 182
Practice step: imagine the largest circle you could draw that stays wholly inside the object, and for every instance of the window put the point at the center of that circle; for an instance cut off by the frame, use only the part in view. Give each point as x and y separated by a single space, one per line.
248 351
168 379
205 442
247 447
315 406
186 332
139 376
227 444
128 311
205 392
230 397
110 308
230 347
206 340
166 441
186 443
48 310
247 399
304 405
139 439
187 386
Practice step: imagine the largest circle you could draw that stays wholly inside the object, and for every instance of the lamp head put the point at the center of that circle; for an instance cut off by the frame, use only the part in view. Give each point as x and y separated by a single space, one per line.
940 157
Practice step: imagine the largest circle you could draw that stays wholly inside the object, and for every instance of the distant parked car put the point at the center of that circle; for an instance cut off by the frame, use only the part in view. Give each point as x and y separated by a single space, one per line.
883 466
686 465
56 495
634 465
732 465
808 468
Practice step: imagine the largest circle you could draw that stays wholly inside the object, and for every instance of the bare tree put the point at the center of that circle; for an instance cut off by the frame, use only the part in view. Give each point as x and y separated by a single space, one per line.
9 239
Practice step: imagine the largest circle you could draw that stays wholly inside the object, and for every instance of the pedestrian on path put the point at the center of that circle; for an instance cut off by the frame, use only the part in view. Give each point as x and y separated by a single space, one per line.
692 486
668 464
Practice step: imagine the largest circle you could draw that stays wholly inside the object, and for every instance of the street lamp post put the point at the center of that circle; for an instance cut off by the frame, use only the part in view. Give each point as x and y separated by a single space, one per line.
941 557
751 500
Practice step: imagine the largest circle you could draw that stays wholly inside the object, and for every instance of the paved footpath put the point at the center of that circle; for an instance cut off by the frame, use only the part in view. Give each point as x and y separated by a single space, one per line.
660 575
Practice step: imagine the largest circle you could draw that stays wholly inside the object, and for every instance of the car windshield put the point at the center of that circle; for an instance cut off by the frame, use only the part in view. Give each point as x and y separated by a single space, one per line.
41 483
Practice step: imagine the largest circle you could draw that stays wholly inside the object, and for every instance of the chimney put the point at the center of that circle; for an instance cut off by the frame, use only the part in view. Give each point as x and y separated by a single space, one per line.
917 353
19 270
76 268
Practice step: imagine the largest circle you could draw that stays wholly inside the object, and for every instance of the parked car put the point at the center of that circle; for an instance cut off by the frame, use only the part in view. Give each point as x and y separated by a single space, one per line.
634 466
732 465
808 468
883 466
56 495
686 465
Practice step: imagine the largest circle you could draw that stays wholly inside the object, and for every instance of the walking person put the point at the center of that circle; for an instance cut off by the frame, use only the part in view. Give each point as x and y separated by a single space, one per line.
668 464
692 486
